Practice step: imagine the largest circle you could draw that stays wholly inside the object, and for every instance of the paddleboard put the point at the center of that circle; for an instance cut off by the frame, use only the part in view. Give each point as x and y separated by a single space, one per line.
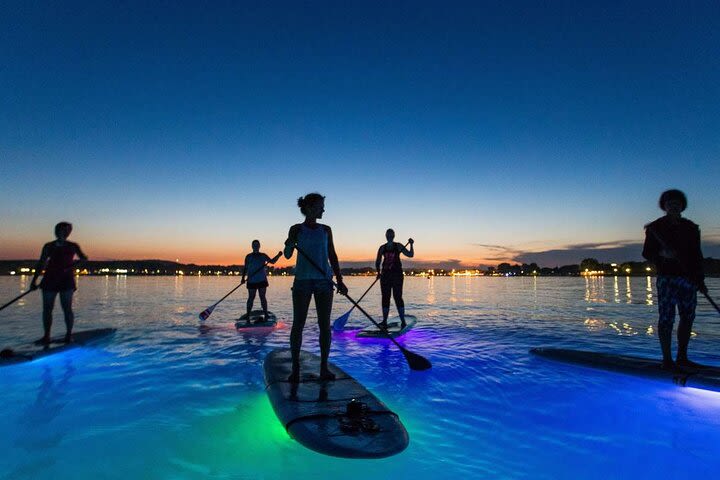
35 350
257 319
706 377
339 417
393 329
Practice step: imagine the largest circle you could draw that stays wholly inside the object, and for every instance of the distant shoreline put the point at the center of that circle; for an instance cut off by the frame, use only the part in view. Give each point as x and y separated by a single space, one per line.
169 268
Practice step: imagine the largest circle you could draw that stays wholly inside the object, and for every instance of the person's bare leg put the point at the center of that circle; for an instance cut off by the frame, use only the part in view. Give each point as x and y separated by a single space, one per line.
301 303
48 305
323 305
263 303
250 301
66 304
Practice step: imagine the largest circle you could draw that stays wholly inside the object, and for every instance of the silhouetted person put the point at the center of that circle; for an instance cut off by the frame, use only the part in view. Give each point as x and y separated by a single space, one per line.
672 243
257 280
391 274
58 260
313 277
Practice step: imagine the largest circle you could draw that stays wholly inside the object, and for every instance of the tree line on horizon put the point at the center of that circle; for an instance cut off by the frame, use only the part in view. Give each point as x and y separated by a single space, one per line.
165 267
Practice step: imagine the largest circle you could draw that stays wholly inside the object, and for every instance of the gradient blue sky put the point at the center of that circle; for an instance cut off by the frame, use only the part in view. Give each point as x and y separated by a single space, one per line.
487 131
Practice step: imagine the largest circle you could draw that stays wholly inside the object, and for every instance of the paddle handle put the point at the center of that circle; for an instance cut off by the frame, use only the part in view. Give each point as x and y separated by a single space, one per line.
15 299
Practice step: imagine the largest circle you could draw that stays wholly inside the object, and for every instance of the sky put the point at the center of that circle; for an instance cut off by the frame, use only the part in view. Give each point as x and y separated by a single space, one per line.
487 131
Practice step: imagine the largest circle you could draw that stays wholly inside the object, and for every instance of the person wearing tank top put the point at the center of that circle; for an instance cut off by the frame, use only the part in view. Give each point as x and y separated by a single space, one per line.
254 268
391 275
58 260
316 262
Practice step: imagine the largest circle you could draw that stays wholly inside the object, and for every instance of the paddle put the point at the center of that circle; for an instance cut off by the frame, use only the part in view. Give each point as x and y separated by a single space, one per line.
208 311
415 361
15 299
665 246
339 323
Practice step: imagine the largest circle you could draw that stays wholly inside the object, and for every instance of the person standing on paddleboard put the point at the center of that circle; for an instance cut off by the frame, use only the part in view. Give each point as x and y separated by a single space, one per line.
672 243
257 277
314 268
391 275
58 260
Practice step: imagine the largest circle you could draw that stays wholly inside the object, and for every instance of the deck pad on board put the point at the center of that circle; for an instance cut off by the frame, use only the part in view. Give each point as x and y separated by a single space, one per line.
393 328
257 319
32 351
706 377
314 412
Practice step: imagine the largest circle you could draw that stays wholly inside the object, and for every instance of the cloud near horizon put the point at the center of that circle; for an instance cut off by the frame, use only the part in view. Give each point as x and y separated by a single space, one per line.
615 251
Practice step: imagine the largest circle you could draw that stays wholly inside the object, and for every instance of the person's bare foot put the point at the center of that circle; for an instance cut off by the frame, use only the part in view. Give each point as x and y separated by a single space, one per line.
668 365
326 375
68 338
685 363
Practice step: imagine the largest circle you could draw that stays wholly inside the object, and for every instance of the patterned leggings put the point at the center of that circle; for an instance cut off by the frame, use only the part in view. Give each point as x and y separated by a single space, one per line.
672 292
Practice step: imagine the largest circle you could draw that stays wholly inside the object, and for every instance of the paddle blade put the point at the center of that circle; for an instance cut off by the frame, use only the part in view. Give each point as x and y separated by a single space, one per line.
206 313
339 323
415 361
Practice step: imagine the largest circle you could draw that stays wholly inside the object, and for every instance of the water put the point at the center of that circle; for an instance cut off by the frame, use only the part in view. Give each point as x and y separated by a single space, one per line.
163 400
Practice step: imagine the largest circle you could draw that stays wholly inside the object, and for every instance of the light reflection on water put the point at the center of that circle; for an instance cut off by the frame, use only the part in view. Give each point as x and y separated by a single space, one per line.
166 400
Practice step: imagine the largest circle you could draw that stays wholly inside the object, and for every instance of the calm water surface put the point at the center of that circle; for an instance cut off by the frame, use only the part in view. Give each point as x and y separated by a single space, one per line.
163 400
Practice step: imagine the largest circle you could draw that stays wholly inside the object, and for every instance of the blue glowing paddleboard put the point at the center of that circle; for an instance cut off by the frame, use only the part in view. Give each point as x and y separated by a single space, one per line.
257 319
393 329
315 412
707 378
33 351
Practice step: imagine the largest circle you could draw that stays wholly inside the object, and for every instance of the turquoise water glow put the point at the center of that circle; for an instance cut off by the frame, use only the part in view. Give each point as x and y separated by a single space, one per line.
163 400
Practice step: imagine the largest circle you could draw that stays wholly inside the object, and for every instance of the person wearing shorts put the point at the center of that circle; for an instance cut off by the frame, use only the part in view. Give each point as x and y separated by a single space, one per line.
58 259
391 275
316 262
254 268
672 243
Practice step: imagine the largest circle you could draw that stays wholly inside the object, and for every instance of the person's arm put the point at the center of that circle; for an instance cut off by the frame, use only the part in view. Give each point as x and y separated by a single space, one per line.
651 248
335 263
698 262
408 253
378 259
40 265
242 279
80 255
291 241
275 258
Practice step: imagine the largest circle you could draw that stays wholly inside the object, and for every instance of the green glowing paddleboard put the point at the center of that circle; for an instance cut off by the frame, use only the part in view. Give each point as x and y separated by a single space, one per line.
316 413
257 319
707 378
33 351
393 328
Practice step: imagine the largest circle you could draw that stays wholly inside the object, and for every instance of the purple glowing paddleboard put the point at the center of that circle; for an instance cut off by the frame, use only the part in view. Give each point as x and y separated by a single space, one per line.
394 328
256 319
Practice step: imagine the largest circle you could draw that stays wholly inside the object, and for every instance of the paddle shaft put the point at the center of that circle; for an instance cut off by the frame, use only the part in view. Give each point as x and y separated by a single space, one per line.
384 330
363 295
15 300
